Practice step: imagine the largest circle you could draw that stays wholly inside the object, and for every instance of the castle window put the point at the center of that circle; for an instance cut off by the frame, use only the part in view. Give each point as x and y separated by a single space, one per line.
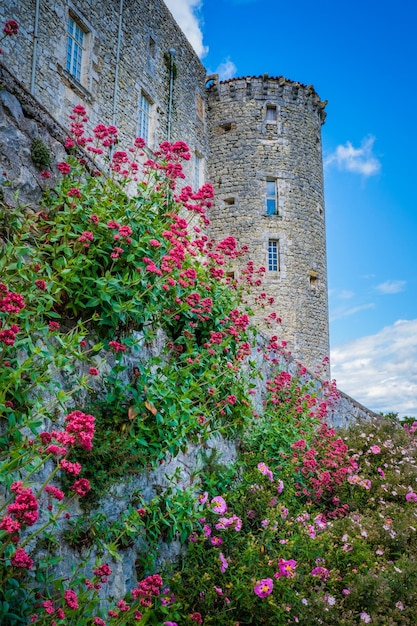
271 197
75 48
314 279
271 113
273 255
144 117
197 171
152 48
229 201
226 127
199 105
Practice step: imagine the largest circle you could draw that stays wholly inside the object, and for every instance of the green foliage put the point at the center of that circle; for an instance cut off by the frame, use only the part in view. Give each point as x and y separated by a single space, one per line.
108 305
41 155
117 317
325 563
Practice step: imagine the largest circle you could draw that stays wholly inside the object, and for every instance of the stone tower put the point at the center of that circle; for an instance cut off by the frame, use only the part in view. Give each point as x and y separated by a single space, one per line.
266 168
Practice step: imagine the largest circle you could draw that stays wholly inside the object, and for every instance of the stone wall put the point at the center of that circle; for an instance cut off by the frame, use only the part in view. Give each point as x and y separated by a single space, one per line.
269 129
126 54
23 118
241 133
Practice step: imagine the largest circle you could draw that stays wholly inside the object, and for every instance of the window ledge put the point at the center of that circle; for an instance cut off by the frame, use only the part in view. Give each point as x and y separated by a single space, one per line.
71 82
275 215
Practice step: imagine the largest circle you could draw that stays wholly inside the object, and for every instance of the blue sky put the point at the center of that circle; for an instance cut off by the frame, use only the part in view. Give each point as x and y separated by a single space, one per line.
361 57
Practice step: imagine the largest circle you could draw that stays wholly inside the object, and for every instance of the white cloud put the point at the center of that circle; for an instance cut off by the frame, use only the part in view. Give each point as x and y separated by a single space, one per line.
345 294
226 69
186 15
341 312
391 286
380 370
356 160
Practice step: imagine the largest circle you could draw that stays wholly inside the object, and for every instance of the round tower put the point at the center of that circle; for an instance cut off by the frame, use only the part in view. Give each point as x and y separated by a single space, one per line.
266 168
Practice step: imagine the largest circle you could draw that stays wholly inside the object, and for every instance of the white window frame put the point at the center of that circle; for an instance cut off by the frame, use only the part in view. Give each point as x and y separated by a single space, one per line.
271 197
271 115
273 260
145 117
76 48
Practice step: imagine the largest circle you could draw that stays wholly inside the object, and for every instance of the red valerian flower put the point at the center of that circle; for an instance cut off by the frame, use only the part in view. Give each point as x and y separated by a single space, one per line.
11 28
70 468
64 167
74 192
41 284
54 492
71 599
10 301
9 525
25 507
81 486
21 559
81 425
117 346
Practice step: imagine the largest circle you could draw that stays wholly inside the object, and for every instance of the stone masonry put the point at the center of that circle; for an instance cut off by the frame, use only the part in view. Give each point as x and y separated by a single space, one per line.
264 130
130 65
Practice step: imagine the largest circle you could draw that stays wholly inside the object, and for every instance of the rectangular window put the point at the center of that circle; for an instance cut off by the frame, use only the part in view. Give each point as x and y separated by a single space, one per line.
197 170
199 105
144 117
271 197
271 113
273 255
75 49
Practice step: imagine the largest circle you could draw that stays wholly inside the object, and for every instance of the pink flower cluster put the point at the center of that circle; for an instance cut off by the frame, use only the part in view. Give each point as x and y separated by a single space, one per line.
81 426
54 492
324 465
24 509
11 28
148 587
8 335
21 559
81 487
10 302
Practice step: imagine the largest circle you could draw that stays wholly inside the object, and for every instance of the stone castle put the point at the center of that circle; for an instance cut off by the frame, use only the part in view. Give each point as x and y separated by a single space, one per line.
256 139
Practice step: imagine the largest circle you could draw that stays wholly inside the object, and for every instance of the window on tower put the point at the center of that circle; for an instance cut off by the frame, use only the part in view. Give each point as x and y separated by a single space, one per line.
145 106
76 40
271 197
271 113
273 255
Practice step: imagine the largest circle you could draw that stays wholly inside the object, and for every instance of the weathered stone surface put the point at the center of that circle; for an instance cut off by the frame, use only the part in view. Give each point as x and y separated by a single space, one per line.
246 151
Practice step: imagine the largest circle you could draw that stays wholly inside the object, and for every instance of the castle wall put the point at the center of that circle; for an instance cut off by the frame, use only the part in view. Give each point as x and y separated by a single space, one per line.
147 34
242 134
263 130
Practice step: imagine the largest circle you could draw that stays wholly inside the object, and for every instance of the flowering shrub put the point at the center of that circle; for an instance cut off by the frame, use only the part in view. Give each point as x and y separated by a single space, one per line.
347 558
308 526
90 278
